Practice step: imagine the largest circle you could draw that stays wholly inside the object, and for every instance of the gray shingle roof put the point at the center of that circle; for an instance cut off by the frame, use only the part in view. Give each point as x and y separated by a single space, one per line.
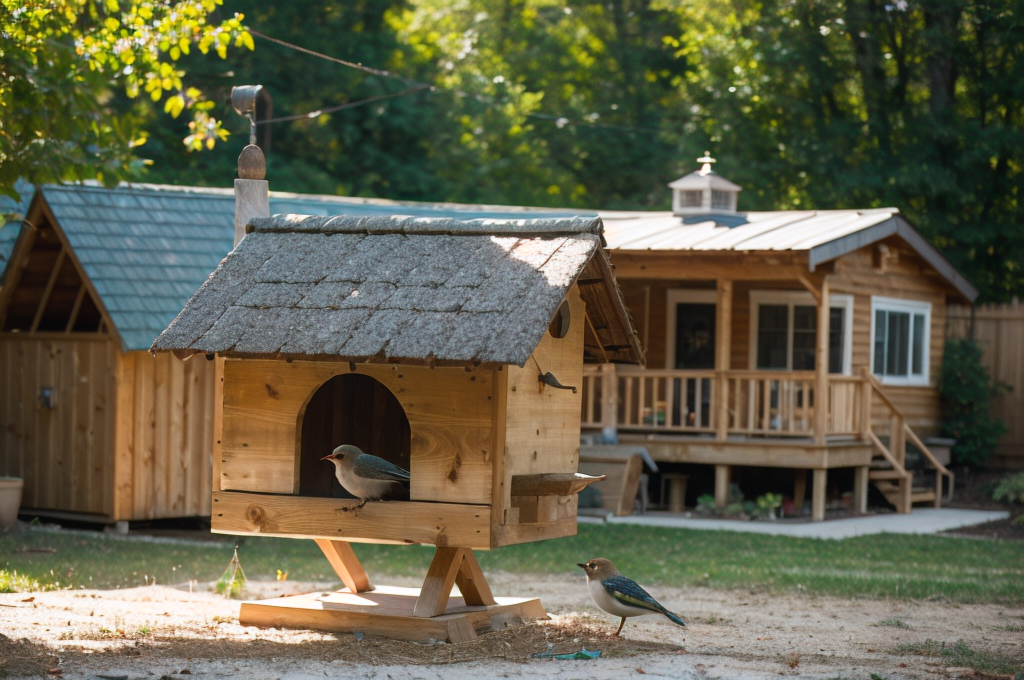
148 248
388 287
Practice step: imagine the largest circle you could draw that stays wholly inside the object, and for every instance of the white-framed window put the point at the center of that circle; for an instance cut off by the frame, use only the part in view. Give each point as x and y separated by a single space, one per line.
900 333
784 331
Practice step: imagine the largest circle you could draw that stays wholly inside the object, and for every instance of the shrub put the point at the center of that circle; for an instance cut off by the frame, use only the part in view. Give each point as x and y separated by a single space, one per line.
966 391
1011 490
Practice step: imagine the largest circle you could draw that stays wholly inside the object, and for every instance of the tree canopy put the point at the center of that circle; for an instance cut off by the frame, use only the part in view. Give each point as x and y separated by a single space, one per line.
61 60
805 103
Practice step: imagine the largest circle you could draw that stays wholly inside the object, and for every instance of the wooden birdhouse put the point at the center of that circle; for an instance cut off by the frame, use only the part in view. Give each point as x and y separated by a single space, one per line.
451 348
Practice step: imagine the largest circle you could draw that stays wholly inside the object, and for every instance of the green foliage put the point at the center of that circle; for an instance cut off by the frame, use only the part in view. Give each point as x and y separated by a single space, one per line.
965 393
586 103
768 504
892 623
960 655
13 582
232 581
60 61
1011 490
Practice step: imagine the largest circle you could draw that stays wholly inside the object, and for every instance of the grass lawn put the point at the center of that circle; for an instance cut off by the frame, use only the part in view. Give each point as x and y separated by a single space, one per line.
883 566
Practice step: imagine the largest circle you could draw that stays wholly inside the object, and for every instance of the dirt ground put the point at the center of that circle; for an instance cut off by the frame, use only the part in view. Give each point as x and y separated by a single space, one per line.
163 632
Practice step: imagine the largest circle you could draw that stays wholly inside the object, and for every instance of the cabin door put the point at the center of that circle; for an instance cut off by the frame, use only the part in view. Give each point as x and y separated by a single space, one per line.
695 335
691 346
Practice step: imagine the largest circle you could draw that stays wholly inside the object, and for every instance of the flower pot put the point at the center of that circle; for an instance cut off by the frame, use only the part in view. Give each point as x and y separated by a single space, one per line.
10 501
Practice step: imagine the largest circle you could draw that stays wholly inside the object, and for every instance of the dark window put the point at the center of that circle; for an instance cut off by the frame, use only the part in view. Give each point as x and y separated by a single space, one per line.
836 339
695 335
721 200
690 199
805 333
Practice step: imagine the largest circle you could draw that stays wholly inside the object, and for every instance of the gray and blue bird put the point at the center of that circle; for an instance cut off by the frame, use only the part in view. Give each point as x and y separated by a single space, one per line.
368 477
618 595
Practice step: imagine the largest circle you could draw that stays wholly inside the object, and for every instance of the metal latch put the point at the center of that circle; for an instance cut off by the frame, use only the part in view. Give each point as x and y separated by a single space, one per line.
549 379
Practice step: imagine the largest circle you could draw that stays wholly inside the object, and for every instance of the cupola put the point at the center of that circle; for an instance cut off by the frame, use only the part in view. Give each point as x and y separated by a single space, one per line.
704 191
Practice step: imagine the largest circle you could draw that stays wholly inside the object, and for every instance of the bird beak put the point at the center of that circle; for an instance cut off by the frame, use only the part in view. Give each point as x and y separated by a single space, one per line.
329 456
581 566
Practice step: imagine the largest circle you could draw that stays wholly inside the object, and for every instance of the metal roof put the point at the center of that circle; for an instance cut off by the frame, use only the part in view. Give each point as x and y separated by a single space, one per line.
389 287
824 234
147 248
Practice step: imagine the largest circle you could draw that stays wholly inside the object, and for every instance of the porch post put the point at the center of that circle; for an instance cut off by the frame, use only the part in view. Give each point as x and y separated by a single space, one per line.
860 489
610 391
722 475
820 478
821 400
723 346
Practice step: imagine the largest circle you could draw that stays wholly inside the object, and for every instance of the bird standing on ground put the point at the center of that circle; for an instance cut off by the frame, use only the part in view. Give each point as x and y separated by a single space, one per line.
367 477
618 595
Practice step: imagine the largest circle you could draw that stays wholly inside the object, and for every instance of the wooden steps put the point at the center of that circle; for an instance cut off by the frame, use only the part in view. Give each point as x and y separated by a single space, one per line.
885 474
892 492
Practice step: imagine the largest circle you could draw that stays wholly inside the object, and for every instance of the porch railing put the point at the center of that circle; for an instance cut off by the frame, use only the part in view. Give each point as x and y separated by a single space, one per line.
686 401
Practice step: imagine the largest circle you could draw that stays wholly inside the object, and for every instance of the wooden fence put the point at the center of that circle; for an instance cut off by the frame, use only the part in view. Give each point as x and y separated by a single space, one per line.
999 329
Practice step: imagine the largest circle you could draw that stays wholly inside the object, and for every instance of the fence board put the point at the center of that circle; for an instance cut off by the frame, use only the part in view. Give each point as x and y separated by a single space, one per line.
999 329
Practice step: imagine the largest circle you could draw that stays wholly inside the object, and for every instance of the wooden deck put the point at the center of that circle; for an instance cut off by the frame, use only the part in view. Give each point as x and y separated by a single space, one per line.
782 453
781 419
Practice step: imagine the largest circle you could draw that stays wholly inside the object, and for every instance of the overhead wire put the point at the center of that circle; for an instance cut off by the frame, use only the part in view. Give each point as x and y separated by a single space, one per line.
417 86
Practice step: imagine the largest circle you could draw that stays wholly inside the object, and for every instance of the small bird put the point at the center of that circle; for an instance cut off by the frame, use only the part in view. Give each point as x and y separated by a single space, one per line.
368 477
618 595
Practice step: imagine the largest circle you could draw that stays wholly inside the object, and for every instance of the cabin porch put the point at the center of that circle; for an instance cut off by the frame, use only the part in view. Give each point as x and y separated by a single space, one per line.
730 418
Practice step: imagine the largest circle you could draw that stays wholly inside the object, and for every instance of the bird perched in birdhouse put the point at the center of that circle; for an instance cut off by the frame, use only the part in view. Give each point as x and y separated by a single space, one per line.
368 477
618 595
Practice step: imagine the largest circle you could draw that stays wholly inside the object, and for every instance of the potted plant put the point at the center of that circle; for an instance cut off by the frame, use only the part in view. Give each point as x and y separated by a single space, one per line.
10 501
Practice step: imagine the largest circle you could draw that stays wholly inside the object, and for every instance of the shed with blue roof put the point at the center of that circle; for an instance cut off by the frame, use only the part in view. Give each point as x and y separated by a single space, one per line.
96 426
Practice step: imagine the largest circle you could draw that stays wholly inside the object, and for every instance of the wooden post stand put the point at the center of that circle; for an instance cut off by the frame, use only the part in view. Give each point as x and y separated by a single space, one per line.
400 613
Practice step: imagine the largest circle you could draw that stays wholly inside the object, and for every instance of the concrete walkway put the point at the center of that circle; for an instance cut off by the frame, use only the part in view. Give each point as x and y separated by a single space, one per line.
920 521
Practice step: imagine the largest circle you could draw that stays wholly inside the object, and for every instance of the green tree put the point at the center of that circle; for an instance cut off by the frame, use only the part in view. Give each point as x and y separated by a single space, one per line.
374 150
966 390
60 63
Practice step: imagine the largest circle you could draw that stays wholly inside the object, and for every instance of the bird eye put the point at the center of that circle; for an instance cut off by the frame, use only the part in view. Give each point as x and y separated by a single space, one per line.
591 565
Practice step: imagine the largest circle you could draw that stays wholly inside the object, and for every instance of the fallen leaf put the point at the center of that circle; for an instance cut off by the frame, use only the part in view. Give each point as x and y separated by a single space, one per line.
29 599
641 671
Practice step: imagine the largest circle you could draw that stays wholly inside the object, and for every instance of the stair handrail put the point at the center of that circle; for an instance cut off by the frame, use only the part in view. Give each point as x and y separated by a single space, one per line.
887 454
940 469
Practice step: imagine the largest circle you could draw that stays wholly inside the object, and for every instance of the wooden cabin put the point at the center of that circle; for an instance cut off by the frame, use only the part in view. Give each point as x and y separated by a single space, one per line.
451 348
808 340
100 429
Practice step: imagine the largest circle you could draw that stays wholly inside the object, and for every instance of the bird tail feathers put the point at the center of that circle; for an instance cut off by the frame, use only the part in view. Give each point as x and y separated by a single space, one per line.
673 617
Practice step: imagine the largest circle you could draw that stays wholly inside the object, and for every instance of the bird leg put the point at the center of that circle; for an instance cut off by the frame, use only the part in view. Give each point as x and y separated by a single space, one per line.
621 624
362 502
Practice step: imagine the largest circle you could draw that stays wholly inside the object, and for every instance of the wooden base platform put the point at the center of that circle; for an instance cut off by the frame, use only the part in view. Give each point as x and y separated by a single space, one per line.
387 611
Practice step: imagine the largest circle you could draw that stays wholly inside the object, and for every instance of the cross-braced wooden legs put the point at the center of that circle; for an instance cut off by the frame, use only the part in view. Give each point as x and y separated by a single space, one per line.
346 565
449 567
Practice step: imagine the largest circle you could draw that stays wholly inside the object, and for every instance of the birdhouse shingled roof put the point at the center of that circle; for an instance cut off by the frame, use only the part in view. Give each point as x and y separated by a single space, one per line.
403 288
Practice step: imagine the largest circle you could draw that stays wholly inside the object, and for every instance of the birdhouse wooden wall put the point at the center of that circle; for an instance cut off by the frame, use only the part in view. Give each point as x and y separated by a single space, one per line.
472 431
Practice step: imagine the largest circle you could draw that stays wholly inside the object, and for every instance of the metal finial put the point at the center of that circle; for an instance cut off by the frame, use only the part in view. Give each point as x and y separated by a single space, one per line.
707 160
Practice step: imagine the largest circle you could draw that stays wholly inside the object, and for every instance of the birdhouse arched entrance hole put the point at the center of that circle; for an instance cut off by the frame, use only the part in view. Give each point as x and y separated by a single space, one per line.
349 409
